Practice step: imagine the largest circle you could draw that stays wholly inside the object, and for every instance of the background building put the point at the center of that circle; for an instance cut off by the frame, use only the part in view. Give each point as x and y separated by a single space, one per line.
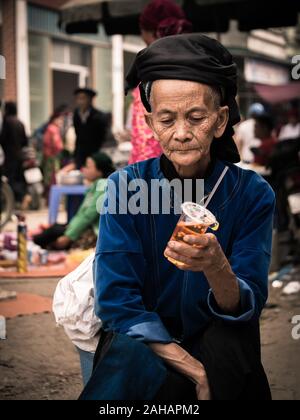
44 65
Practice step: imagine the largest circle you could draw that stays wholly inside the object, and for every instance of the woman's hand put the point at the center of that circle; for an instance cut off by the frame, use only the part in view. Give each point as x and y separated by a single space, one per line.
202 387
180 360
198 253
204 253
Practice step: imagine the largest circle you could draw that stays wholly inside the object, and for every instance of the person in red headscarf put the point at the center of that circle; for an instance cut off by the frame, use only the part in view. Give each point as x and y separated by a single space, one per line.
160 18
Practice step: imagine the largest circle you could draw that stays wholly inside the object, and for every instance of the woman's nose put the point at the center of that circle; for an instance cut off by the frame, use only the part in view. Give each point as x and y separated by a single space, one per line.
182 132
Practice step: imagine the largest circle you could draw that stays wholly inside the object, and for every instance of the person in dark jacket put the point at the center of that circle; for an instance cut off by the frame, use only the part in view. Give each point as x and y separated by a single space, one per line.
13 139
90 124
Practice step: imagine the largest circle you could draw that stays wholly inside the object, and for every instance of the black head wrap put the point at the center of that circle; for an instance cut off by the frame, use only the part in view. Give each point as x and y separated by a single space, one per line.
196 58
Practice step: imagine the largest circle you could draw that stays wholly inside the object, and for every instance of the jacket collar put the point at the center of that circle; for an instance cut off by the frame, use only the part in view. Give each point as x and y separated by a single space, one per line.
209 182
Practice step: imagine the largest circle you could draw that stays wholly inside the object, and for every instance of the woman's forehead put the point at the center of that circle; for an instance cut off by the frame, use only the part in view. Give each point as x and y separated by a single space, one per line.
178 94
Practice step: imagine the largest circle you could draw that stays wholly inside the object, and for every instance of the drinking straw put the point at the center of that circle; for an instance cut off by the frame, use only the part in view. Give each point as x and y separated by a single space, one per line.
215 187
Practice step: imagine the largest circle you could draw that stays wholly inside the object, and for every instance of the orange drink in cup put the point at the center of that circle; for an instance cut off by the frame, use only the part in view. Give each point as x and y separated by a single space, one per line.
194 220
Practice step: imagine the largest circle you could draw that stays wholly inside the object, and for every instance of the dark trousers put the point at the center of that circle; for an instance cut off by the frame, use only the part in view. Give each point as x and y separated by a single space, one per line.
15 175
232 360
49 235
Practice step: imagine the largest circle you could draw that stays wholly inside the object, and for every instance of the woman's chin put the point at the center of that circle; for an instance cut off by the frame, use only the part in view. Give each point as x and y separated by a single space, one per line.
186 158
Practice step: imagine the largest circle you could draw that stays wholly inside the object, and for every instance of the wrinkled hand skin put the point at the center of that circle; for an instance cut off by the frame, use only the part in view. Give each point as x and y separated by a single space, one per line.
198 253
203 253
180 360
202 388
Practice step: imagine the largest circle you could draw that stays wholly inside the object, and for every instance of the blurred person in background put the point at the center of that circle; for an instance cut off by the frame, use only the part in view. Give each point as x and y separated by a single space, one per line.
13 139
91 126
52 149
1 149
245 133
67 133
160 18
83 227
1 116
263 130
292 129
37 138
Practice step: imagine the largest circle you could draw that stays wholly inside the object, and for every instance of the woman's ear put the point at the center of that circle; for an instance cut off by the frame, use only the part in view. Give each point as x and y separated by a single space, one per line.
222 121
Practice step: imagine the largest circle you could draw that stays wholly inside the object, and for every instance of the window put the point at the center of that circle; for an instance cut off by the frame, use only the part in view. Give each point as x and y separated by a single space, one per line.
79 55
69 53
59 52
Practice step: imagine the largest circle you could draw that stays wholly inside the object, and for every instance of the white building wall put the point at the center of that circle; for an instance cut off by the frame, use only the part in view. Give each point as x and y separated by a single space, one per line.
23 94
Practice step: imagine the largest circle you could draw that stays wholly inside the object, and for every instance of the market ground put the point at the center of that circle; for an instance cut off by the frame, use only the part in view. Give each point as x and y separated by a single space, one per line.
37 361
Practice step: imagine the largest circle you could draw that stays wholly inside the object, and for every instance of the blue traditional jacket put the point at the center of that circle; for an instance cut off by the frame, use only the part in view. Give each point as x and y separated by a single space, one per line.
137 288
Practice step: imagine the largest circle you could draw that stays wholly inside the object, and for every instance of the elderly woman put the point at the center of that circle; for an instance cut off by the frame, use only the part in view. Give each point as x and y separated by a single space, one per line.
188 331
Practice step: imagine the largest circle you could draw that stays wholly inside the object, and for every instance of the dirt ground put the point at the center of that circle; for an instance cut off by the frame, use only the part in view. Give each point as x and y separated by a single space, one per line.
37 361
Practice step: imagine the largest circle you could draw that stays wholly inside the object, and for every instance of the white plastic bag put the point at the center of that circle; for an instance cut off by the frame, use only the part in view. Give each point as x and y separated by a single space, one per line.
73 306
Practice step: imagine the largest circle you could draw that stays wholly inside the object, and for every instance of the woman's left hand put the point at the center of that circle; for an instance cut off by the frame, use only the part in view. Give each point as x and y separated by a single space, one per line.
198 253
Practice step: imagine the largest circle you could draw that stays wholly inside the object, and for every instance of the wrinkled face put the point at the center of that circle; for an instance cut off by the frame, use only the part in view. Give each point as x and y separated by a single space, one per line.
185 118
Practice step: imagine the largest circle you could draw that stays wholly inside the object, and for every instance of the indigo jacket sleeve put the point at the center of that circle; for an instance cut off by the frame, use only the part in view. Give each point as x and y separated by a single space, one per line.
251 252
119 276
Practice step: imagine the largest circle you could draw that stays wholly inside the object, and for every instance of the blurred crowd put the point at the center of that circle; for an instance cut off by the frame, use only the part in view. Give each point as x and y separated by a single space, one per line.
68 143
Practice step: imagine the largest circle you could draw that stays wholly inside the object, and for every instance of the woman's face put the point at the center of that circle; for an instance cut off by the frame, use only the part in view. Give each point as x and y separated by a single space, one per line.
59 121
185 119
90 170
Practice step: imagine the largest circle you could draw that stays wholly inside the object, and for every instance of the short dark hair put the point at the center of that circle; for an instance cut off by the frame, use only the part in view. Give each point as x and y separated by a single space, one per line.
10 109
103 163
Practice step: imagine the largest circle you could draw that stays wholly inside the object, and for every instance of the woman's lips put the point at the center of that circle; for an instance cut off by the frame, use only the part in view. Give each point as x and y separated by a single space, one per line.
184 151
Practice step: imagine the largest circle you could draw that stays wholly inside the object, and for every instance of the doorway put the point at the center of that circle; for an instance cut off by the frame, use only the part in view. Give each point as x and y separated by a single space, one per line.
64 84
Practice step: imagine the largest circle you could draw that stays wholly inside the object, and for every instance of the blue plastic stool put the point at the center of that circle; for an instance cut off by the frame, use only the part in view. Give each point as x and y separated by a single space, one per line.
56 192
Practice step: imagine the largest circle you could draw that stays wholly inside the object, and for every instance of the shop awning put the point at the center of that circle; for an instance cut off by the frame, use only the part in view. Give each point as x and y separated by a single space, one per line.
278 94
121 16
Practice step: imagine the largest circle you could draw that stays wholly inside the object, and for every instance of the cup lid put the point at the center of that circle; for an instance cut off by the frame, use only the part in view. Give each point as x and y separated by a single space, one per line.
198 214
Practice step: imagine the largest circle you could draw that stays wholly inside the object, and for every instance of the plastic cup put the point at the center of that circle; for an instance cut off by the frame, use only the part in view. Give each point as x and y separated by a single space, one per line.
194 220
